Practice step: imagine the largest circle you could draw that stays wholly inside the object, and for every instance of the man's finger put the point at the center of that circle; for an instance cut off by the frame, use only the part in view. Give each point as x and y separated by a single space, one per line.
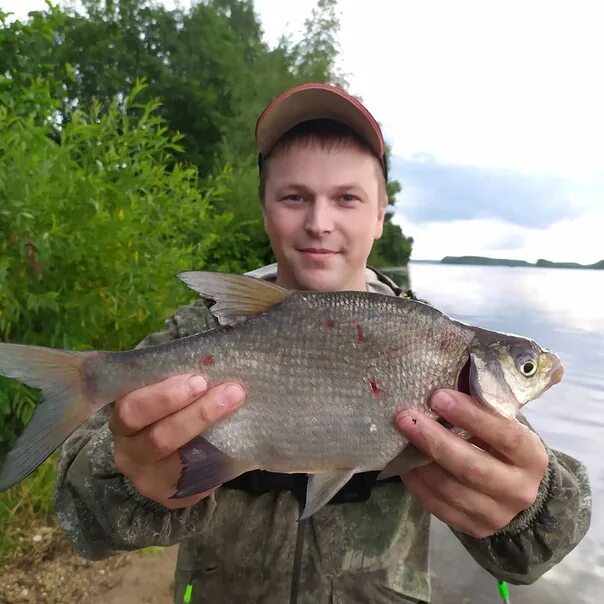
442 510
476 505
469 464
509 438
147 405
172 432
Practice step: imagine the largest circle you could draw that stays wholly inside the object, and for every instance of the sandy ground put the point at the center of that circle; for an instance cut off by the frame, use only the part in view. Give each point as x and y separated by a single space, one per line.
47 571
146 579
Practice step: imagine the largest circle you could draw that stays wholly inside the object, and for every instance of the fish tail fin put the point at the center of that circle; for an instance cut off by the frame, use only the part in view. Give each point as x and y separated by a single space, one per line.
64 404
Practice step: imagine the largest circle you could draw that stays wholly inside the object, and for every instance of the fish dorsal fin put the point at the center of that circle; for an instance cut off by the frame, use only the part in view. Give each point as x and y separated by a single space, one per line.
237 296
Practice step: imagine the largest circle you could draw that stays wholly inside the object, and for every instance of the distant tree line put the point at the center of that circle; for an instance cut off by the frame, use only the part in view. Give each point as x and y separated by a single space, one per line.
541 263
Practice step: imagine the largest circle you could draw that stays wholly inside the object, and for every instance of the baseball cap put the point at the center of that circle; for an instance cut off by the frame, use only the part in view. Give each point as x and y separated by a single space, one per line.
316 101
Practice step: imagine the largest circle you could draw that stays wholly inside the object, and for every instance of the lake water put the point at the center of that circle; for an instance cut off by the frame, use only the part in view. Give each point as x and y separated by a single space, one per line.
562 310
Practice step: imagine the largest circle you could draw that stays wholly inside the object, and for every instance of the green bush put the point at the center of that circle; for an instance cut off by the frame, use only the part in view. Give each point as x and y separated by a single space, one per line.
93 228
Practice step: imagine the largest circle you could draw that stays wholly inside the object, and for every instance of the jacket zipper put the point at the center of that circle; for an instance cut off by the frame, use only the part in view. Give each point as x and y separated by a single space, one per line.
295 585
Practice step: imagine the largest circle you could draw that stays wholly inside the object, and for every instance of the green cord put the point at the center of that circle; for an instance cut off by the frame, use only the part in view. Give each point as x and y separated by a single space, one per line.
504 591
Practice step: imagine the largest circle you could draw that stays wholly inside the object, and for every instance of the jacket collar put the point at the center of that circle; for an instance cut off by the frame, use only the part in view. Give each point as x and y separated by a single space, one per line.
377 283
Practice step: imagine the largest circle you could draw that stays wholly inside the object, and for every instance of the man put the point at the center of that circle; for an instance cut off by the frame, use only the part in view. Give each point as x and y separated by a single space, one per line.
517 506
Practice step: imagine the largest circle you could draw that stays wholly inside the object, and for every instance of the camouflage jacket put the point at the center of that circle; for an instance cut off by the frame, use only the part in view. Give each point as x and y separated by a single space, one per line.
238 547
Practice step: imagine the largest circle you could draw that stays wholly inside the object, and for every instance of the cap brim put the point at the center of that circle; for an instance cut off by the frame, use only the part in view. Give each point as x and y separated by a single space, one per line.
316 101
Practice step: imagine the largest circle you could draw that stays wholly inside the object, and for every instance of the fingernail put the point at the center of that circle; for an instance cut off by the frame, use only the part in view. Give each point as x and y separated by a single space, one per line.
231 395
197 385
407 420
442 401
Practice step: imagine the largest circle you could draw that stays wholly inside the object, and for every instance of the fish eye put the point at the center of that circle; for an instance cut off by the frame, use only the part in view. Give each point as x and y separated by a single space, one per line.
528 367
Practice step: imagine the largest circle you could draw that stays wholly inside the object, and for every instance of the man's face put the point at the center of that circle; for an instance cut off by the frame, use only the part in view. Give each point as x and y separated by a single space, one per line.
322 211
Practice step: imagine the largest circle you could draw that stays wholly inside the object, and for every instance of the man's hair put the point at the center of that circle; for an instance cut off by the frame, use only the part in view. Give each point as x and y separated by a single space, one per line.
327 134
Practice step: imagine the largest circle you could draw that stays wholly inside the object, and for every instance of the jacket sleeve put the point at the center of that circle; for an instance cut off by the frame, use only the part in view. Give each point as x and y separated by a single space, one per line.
538 538
97 507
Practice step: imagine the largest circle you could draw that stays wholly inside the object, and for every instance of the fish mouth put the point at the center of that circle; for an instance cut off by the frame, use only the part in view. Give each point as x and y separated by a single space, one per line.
556 372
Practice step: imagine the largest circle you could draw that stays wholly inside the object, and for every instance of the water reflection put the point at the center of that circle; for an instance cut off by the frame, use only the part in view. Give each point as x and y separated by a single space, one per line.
572 298
562 310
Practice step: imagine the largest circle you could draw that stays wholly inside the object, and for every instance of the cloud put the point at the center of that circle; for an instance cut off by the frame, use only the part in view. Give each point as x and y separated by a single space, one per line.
434 192
577 240
480 237
507 241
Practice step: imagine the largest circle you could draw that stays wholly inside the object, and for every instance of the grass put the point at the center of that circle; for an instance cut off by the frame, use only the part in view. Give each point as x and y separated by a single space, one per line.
152 550
27 505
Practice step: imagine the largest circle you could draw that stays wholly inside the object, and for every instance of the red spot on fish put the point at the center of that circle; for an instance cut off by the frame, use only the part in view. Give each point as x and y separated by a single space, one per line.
360 334
207 360
376 389
330 324
445 342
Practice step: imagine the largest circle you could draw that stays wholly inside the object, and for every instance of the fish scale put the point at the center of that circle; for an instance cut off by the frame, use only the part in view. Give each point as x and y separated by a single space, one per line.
330 403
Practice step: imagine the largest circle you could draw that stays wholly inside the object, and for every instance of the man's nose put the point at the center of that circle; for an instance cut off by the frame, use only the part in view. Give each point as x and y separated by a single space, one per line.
319 218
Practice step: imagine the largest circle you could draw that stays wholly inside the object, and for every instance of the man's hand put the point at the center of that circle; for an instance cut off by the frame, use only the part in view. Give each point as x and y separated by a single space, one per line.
476 487
149 425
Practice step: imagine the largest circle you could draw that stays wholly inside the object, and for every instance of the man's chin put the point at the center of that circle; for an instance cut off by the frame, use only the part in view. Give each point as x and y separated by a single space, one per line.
320 279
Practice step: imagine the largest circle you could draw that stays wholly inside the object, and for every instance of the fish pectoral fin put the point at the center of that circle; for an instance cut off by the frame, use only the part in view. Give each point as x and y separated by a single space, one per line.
236 296
322 488
408 459
204 467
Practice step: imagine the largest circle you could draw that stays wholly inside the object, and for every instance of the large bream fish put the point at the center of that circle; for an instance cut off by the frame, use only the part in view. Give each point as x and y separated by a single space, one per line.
324 373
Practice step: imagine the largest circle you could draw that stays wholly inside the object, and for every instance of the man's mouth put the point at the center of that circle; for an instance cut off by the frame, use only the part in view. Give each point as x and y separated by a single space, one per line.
317 253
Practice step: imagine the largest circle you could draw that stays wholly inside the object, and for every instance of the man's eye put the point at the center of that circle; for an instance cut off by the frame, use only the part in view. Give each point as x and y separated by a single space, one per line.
348 198
293 197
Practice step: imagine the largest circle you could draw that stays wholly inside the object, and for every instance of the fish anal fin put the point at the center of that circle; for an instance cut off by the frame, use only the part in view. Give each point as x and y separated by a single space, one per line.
322 488
236 296
408 459
204 467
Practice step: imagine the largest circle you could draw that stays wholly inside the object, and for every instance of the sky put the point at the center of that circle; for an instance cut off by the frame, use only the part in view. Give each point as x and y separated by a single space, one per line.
493 110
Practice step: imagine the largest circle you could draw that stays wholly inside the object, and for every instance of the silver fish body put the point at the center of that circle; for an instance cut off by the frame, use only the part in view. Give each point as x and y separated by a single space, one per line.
324 375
